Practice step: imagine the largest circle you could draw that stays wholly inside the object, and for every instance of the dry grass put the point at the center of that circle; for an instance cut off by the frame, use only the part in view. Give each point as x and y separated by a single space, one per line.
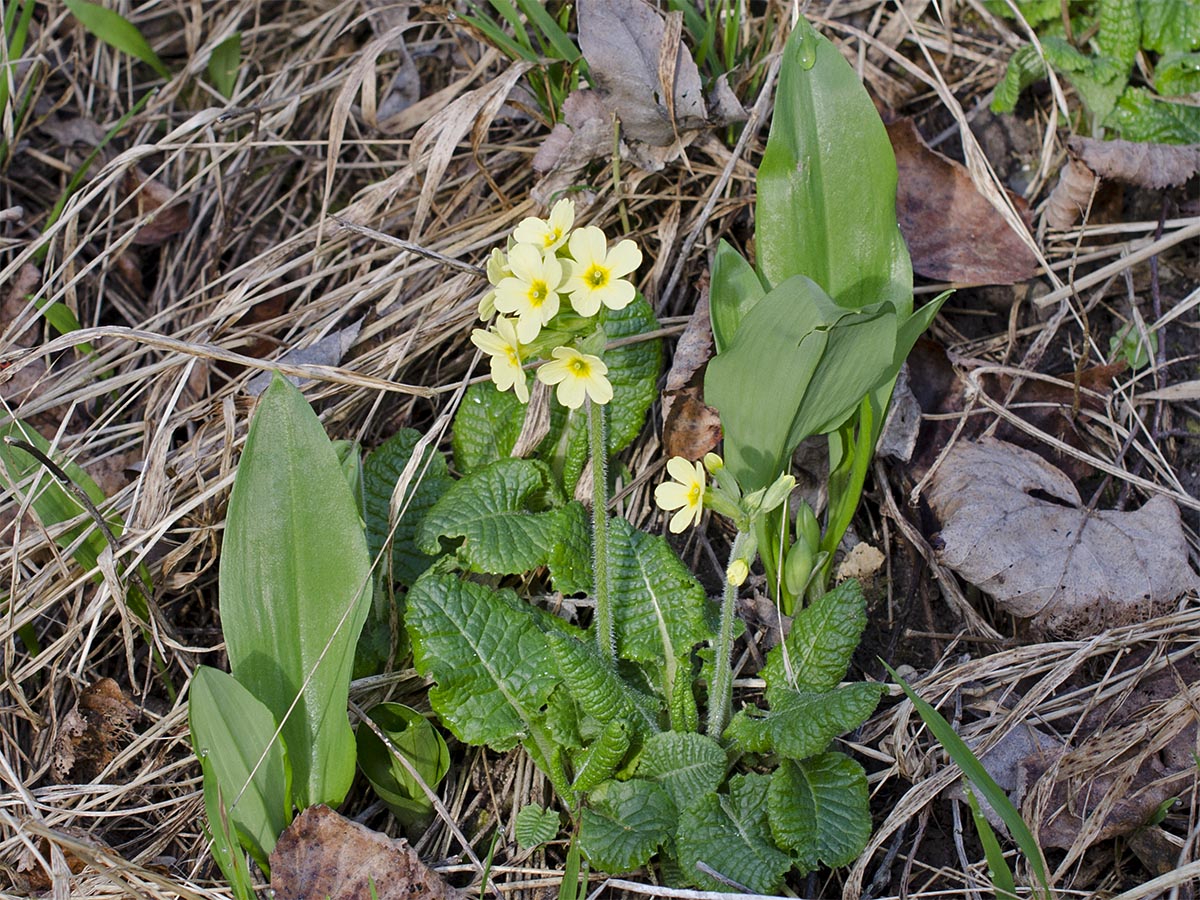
262 265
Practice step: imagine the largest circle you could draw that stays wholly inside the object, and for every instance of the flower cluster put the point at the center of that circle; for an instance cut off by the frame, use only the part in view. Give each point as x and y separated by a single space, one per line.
548 288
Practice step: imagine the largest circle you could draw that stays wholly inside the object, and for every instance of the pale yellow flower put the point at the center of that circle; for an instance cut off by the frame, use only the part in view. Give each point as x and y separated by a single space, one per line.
531 291
596 272
576 374
685 493
505 352
551 233
497 271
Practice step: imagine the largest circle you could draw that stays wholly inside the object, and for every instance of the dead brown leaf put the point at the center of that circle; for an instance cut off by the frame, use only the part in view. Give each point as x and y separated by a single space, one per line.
90 735
1015 526
169 219
324 856
952 231
1153 166
585 133
690 428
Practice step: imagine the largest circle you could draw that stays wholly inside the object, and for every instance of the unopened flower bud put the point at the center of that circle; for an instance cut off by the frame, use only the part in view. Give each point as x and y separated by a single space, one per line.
737 572
713 463
778 492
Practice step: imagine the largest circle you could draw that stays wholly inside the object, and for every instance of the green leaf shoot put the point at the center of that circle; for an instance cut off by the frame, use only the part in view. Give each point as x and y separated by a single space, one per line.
116 31
535 826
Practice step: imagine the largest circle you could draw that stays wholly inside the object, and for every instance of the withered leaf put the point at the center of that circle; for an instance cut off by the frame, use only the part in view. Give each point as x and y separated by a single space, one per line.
92 732
1015 526
690 428
1151 166
952 231
324 856
585 133
170 216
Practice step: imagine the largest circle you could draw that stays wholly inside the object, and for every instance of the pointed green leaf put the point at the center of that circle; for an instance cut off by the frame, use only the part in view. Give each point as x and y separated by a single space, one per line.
382 470
1120 31
116 31
600 760
801 724
415 738
493 667
535 826
500 512
224 63
1170 26
295 588
734 289
661 613
686 765
226 848
599 690
824 635
623 823
819 810
730 834
486 426
230 732
827 184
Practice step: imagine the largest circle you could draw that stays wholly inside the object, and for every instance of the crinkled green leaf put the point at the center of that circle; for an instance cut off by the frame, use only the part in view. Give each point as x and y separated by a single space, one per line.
562 719
1140 116
295 588
1170 26
734 289
1177 74
686 765
486 426
492 664
623 823
382 470
1025 67
601 759
570 558
535 826
819 810
116 31
599 690
660 615
827 185
824 635
231 730
1035 12
1099 80
633 370
801 724
1120 31
730 834
500 511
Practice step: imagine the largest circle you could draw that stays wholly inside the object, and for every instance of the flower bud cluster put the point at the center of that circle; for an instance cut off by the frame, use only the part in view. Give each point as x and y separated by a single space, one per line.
548 289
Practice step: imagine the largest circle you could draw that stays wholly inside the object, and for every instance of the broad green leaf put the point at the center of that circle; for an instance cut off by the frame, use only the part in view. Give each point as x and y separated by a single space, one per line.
633 370
486 426
233 734
1140 116
1099 80
824 635
116 31
570 559
492 664
381 472
500 511
1177 74
660 615
735 288
295 588
686 765
535 826
801 724
819 810
623 823
421 744
827 184
730 834
1170 26
599 690
224 63
226 849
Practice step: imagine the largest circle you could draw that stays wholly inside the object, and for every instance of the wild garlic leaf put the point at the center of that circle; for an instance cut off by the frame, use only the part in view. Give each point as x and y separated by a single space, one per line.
486 426
492 664
624 822
500 513
535 826
661 613
381 472
599 690
729 834
824 636
686 765
801 724
818 809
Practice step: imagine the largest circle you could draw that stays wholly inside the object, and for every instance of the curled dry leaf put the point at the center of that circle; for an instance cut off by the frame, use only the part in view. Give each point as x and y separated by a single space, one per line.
585 133
629 51
1152 166
690 428
952 231
90 735
323 855
328 351
1015 526
1071 196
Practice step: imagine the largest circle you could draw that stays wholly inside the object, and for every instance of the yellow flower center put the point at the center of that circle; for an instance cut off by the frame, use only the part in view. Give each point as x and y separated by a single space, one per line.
512 357
551 236
693 495
596 276
538 292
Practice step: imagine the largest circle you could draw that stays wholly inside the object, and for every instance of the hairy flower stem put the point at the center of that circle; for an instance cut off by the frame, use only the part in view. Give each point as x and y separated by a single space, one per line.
605 634
720 698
